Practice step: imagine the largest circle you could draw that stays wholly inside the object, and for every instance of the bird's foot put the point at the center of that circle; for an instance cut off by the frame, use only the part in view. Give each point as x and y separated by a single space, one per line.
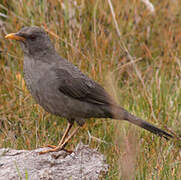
51 146
61 145
54 149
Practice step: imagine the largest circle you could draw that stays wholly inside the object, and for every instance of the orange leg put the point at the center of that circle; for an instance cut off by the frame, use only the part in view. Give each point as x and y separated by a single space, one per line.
69 126
63 141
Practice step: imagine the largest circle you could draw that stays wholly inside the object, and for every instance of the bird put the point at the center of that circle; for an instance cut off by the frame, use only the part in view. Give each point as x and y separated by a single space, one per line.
63 90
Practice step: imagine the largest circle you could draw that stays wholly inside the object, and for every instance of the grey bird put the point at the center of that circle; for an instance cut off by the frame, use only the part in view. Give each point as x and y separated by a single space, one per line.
63 90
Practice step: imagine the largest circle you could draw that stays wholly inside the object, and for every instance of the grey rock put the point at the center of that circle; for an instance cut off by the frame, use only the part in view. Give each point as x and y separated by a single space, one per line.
83 163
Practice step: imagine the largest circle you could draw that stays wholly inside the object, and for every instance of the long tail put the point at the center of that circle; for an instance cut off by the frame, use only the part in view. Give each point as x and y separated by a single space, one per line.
120 113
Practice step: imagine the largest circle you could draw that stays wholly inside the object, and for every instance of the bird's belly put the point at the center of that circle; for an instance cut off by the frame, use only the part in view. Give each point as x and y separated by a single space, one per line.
53 104
64 106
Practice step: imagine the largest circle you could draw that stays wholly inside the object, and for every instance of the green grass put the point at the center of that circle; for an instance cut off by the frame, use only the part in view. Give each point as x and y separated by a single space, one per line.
85 33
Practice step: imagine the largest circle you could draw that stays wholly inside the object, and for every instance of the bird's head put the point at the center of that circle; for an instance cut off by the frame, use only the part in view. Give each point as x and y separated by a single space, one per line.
33 40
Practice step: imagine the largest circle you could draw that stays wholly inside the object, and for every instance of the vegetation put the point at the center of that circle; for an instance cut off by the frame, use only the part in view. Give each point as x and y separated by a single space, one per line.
135 55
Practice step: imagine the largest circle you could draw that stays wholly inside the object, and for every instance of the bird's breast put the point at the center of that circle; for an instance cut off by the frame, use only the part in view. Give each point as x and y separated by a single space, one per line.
32 73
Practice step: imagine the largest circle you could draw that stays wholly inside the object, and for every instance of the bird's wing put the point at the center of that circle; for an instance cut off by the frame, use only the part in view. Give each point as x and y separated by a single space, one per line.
82 88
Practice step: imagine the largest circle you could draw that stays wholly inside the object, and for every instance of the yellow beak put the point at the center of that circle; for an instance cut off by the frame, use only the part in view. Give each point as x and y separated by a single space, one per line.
15 37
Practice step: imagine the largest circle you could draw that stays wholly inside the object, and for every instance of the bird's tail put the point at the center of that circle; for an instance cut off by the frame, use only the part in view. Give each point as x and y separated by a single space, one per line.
120 113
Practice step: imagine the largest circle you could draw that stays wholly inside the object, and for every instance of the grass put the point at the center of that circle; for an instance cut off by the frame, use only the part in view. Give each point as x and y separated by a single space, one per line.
145 80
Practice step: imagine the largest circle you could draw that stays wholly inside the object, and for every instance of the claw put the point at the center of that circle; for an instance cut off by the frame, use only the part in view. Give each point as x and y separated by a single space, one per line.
61 145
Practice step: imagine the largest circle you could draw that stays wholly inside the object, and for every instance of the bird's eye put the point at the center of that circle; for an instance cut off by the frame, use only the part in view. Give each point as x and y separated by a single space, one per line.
32 37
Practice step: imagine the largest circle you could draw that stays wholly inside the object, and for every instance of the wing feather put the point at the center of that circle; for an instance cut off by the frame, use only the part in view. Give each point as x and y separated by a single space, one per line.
82 88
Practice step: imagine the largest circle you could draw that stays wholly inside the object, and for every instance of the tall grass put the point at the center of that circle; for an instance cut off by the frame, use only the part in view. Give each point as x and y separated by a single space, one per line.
135 55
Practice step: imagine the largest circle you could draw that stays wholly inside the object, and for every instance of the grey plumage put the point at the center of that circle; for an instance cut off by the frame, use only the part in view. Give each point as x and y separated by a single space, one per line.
62 89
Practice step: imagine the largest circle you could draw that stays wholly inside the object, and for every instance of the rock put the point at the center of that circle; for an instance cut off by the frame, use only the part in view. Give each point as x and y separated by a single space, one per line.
83 163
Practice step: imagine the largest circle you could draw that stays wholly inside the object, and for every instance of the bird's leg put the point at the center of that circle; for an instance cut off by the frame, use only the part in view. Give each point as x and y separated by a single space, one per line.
69 137
69 126
61 146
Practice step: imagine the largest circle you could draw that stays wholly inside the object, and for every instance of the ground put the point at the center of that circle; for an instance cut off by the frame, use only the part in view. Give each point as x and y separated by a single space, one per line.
133 52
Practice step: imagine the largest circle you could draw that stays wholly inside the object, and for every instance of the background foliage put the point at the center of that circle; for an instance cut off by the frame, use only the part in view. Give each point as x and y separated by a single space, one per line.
135 55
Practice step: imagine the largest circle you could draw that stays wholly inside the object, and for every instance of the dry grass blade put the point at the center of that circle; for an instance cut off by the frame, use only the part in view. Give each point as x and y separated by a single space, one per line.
123 47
